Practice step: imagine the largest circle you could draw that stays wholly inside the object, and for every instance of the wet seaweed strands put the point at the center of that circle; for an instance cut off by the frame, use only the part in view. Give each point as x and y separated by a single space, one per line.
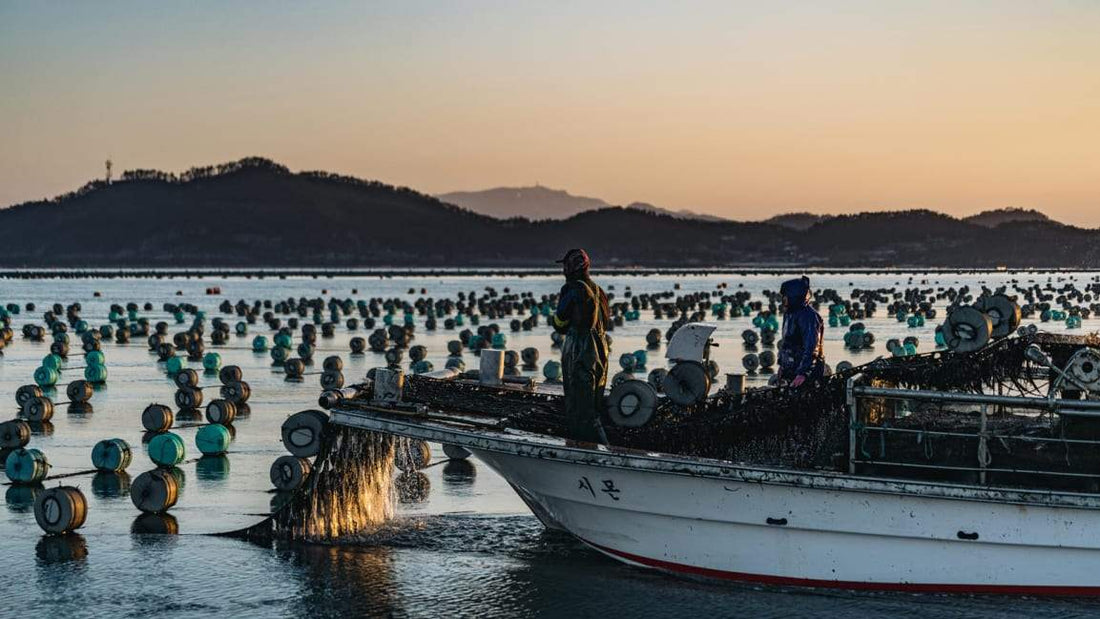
349 492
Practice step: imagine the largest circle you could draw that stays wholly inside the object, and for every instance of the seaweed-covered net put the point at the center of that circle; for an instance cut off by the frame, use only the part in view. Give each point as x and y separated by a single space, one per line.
803 428
809 427
349 491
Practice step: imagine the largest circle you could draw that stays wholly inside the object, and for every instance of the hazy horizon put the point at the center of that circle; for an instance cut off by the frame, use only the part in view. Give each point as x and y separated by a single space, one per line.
742 110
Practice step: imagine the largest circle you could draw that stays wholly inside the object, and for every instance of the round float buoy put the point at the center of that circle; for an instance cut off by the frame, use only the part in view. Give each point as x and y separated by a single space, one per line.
166 449
46 377
211 362
632 404
14 434
60 510
154 492
212 440
294 369
188 379
686 383
157 418
27 392
79 391
767 359
751 362
358 345
188 398
238 392
95 374
455 452
332 364
289 472
112 454
230 374
552 372
221 412
1003 312
413 456
302 433
656 379
967 329
26 466
37 409
173 366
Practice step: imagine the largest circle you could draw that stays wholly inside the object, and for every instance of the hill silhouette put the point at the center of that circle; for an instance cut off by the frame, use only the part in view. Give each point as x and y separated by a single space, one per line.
257 213
534 203
996 217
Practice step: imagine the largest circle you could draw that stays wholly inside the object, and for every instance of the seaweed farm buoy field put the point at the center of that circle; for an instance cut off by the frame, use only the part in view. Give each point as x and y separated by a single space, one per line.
158 425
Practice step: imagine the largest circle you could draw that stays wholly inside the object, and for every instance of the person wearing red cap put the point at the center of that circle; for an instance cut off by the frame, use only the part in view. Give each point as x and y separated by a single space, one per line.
582 316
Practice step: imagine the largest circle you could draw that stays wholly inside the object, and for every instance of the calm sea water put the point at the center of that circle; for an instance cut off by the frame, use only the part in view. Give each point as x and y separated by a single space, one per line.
469 549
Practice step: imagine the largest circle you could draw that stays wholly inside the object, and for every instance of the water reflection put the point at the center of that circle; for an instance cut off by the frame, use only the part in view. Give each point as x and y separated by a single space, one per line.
41 428
189 414
345 581
20 497
80 410
111 485
53 549
155 524
459 472
212 468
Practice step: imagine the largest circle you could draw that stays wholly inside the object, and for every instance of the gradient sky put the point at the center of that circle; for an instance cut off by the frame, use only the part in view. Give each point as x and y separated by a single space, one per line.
742 109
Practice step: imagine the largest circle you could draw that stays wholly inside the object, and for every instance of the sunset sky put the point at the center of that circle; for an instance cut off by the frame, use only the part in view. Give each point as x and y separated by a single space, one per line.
741 109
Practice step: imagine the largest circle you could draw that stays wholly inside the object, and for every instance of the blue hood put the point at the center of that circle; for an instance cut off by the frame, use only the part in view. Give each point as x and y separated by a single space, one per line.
797 292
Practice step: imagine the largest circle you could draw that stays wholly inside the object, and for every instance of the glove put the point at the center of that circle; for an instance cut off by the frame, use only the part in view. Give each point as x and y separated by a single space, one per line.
798 380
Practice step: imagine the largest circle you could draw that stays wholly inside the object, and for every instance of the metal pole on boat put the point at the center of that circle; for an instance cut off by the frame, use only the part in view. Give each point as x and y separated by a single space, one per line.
853 418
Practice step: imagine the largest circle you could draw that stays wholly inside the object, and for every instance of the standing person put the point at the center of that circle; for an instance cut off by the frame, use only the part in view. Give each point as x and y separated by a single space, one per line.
582 317
801 354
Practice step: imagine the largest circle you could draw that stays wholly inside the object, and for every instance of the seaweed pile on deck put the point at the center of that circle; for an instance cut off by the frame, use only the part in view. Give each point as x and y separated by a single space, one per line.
807 428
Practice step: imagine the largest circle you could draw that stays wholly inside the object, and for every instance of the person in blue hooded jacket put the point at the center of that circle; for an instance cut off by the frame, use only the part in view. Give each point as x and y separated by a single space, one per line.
801 353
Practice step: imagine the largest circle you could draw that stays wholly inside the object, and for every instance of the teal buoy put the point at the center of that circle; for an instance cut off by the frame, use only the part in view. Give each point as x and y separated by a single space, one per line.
95 357
552 371
173 366
112 454
46 377
52 362
167 449
259 344
212 440
26 466
280 354
212 362
95 374
500 341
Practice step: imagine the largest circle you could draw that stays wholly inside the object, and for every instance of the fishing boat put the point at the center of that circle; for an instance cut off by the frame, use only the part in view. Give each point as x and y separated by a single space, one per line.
972 470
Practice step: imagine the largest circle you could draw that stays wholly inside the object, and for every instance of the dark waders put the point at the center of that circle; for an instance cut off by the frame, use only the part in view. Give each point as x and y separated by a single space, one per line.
584 374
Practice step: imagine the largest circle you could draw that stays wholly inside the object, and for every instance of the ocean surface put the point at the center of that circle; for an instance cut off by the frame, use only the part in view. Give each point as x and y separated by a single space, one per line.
469 549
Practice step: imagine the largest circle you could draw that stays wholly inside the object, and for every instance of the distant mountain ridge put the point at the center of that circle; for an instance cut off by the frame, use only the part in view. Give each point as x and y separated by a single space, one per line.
257 213
533 203
996 217
538 202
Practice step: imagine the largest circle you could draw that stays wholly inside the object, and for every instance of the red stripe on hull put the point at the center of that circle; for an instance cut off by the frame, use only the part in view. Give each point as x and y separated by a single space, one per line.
848 584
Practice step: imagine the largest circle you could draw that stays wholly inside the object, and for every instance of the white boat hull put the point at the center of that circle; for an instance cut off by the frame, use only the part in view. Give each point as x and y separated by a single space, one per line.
716 519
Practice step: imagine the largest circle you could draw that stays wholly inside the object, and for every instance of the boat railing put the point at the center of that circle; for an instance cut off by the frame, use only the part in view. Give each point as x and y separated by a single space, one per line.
863 400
